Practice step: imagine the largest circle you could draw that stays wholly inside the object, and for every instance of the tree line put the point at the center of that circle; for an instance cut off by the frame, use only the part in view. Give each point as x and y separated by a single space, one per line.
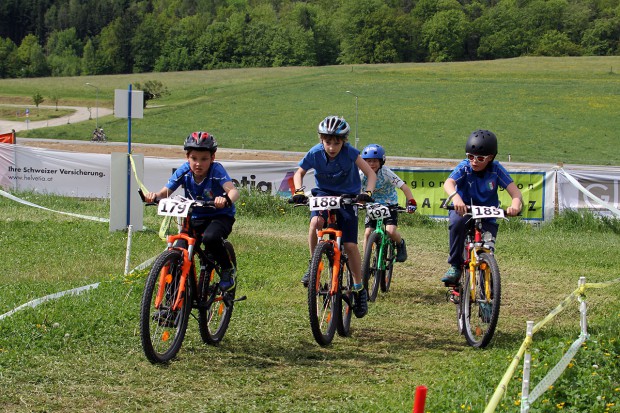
96 37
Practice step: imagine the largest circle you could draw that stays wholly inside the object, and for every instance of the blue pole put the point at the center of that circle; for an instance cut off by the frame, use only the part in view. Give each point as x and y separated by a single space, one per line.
128 154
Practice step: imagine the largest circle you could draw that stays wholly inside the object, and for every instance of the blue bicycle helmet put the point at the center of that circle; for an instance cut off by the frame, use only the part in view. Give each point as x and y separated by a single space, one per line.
201 141
374 151
334 126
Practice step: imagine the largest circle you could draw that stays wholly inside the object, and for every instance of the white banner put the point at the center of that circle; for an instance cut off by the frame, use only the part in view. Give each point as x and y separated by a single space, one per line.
87 175
597 190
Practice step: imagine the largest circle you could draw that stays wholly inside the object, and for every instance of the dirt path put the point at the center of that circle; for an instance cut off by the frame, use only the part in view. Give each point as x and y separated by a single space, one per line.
176 152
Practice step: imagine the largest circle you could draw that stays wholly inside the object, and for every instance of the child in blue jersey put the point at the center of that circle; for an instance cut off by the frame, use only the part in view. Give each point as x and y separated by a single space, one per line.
385 194
336 167
207 180
475 181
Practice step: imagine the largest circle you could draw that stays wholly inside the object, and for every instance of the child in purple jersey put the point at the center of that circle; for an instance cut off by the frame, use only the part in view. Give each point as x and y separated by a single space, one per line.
475 181
207 180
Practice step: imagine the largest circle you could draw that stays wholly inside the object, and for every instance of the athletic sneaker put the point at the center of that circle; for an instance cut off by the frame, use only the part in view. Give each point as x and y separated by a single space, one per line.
401 251
227 279
165 318
306 276
360 303
452 275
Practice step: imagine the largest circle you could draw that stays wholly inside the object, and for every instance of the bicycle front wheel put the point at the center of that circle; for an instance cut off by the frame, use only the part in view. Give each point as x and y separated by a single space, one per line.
322 304
346 301
162 328
386 276
214 318
372 273
480 310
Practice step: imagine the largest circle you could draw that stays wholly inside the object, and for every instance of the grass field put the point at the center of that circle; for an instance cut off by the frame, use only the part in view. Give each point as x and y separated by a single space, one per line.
83 353
543 109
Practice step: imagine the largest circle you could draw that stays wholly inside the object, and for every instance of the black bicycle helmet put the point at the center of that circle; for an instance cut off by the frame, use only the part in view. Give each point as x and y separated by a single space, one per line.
335 126
481 142
201 141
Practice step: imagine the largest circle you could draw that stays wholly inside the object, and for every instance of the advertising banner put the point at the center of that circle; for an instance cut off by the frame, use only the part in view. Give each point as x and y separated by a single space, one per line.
592 189
88 175
537 188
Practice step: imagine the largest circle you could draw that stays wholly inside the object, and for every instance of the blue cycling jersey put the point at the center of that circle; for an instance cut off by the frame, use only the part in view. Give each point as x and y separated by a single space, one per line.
207 190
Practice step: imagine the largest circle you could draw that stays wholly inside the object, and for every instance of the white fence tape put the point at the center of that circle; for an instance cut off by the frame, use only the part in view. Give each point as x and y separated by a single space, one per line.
34 303
22 201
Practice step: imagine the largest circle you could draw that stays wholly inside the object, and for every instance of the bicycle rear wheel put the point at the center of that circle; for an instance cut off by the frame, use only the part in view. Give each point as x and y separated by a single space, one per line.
386 276
481 311
213 320
322 305
162 329
372 274
346 304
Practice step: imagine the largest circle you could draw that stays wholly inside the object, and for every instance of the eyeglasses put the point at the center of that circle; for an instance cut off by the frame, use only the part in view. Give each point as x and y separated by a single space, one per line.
479 158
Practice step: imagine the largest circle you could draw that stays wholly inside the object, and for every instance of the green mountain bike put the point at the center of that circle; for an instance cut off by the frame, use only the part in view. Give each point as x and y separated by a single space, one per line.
380 253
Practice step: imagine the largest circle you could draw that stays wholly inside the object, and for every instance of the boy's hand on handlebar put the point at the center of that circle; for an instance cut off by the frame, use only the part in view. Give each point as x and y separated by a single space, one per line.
512 211
364 197
299 197
459 205
412 206
221 202
150 197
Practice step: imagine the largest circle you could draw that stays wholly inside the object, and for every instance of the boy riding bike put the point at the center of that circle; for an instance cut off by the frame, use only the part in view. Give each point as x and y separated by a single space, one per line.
335 165
475 181
385 194
207 180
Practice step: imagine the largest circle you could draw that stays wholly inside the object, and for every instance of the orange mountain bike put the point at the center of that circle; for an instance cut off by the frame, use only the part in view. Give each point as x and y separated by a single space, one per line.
330 287
183 278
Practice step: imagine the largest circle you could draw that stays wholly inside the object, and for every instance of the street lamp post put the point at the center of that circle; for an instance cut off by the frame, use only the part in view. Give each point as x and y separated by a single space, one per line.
356 139
96 104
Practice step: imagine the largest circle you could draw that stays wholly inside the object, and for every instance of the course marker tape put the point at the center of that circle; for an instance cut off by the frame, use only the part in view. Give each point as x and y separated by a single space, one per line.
502 387
54 296
22 201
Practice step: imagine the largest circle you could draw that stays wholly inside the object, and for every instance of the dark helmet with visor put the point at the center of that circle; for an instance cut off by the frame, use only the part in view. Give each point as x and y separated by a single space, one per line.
201 141
481 142
334 126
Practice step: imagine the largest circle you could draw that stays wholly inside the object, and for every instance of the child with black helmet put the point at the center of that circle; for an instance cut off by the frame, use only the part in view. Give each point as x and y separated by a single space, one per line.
385 194
204 179
475 181
336 167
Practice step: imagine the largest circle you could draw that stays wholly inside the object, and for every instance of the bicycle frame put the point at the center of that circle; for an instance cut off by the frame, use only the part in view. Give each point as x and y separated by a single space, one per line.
335 238
475 245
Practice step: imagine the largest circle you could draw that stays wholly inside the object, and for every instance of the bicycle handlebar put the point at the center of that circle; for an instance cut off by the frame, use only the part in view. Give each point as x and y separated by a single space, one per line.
207 204
346 200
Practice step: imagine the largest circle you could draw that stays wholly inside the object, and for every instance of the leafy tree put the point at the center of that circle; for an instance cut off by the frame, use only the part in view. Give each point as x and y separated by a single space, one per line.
37 99
31 59
146 44
444 34
153 89
8 58
603 38
178 51
63 51
555 43
89 59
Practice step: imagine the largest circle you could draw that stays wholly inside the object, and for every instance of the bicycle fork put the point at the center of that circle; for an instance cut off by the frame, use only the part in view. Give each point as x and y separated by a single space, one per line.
166 278
337 255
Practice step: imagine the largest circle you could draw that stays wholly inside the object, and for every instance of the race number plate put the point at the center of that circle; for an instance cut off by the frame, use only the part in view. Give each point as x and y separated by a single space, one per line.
377 211
174 207
486 212
321 203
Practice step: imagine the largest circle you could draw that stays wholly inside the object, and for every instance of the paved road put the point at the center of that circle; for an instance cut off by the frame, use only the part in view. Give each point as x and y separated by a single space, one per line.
81 114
